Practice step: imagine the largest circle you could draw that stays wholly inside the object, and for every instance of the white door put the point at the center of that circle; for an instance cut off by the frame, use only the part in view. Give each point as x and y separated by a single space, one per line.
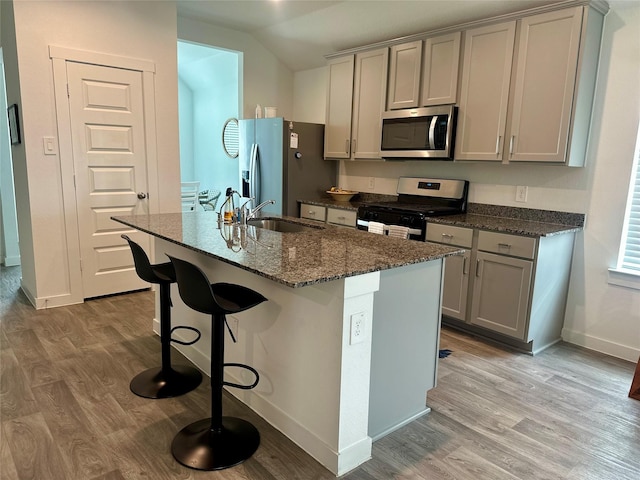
108 141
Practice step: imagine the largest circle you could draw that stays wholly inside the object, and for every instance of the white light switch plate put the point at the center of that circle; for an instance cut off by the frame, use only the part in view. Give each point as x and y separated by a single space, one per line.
49 146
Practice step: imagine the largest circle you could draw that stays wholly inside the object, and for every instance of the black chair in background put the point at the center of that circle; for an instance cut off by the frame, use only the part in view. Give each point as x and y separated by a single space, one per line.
217 442
167 380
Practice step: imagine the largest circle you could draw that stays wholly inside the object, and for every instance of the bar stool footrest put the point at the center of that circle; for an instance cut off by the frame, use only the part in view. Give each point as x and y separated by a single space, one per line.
185 327
246 367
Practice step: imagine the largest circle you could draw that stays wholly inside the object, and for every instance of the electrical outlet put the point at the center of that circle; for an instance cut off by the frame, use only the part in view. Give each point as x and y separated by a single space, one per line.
372 183
357 328
521 193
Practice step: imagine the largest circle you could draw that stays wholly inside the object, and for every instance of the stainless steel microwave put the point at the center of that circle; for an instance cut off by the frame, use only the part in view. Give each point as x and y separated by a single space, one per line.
419 133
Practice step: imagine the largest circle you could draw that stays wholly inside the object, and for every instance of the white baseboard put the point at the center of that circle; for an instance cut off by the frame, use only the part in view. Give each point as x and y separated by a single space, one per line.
617 350
11 261
341 462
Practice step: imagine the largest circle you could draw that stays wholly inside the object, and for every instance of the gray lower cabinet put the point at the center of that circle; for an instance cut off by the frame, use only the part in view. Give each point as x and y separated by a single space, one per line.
456 273
508 288
501 294
340 217
313 212
334 216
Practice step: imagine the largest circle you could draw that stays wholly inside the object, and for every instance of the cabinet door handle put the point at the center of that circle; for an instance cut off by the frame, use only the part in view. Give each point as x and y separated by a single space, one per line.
346 146
311 212
447 236
513 137
341 218
477 267
353 146
504 245
498 145
464 266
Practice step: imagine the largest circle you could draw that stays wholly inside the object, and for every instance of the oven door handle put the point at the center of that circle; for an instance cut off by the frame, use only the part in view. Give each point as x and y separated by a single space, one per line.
365 224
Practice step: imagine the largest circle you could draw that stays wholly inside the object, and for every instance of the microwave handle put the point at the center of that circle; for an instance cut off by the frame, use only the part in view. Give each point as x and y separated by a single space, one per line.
432 132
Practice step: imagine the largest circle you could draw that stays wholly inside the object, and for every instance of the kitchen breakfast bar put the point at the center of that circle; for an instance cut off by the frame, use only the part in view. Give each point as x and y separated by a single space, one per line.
347 343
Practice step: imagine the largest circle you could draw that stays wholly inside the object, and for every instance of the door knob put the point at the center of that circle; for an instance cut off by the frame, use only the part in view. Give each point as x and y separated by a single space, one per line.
142 195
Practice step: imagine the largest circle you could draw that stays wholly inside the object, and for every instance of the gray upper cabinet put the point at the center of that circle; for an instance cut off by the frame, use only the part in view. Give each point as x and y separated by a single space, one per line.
547 55
337 136
369 89
441 58
524 86
484 92
357 85
527 88
404 75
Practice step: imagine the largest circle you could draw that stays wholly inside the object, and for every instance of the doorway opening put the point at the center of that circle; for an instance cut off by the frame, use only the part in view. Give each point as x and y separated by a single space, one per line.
209 94
9 246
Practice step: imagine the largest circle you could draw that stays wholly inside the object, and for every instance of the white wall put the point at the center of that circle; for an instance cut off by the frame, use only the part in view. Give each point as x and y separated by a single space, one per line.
9 246
212 106
600 316
185 115
141 30
208 98
265 80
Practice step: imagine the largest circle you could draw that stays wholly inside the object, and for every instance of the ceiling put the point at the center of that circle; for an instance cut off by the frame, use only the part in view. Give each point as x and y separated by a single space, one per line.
301 32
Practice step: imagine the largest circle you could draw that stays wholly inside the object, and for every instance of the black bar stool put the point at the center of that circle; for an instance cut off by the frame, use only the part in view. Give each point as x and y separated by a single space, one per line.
217 442
167 380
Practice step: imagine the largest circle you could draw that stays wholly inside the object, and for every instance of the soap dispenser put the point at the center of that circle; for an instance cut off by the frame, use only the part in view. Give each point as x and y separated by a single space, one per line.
228 208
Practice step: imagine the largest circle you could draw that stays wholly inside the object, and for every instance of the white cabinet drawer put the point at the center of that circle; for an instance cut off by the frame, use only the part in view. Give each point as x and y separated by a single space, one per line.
313 212
341 217
458 236
505 244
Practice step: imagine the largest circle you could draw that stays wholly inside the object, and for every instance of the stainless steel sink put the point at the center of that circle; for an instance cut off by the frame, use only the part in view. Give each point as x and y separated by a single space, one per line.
278 225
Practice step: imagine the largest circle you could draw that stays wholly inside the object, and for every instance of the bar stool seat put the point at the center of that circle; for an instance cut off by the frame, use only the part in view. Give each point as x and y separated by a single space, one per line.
217 442
168 380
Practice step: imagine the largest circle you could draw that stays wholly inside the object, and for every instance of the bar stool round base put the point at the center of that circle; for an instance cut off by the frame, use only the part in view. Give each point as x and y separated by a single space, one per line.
153 383
197 446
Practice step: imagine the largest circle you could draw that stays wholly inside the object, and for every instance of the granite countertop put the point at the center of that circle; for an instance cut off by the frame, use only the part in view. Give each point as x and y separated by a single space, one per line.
322 254
494 218
528 228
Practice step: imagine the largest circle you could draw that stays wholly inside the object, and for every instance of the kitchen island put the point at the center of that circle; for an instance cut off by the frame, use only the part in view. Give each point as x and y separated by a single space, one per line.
347 344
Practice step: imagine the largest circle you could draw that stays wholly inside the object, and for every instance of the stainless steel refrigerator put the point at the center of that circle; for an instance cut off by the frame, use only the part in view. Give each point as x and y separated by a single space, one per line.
283 161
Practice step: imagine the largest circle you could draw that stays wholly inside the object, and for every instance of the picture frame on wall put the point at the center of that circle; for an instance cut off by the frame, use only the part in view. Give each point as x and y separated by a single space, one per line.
14 124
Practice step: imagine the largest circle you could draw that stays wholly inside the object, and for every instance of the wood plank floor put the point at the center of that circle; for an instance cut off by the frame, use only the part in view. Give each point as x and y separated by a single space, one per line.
67 413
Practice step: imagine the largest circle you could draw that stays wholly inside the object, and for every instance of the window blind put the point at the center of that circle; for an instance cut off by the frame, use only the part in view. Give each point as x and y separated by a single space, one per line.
630 248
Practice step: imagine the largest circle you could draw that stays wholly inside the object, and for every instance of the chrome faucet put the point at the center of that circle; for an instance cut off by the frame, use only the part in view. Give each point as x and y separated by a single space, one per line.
249 213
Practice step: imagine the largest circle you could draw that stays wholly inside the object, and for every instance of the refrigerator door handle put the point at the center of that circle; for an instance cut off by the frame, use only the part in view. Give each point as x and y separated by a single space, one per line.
254 180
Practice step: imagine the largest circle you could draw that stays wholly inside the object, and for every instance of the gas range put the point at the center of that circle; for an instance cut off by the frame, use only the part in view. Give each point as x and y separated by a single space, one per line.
418 199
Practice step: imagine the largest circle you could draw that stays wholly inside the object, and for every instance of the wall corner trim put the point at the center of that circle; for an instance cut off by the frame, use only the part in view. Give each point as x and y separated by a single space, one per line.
105 59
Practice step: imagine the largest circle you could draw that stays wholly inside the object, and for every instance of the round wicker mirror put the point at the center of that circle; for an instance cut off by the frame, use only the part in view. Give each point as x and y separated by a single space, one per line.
231 137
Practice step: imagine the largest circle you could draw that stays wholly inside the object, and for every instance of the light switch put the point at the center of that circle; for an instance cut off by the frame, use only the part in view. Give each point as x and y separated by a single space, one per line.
49 145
